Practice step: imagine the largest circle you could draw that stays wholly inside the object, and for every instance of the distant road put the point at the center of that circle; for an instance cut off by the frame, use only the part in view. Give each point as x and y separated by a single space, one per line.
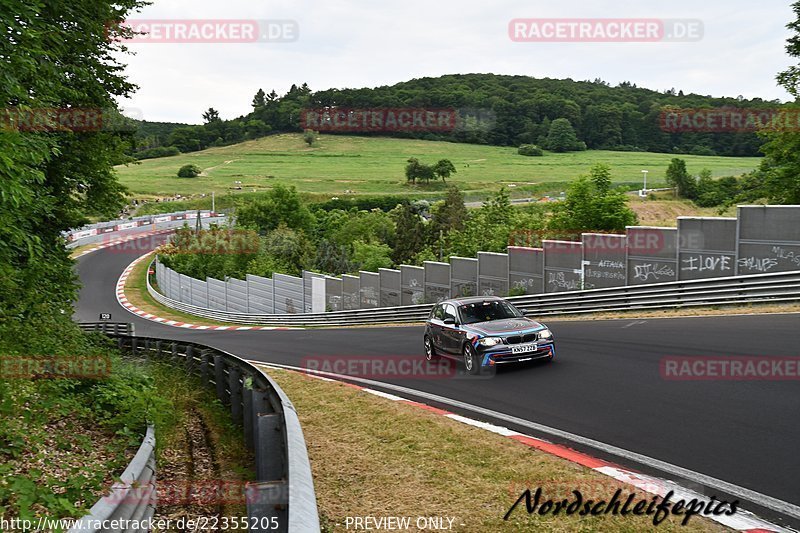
513 201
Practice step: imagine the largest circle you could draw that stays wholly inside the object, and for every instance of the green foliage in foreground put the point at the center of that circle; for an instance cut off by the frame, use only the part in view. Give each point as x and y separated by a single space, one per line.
60 437
49 181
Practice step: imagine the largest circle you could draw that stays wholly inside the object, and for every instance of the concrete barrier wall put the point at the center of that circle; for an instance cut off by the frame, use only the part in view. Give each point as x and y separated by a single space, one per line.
333 294
370 289
261 294
437 281
412 285
706 247
238 299
492 274
463 276
604 260
768 239
652 254
288 294
562 265
217 294
351 296
389 287
525 270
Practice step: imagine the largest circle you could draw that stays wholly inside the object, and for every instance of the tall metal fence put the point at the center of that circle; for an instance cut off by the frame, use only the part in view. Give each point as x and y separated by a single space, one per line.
762 239
281 499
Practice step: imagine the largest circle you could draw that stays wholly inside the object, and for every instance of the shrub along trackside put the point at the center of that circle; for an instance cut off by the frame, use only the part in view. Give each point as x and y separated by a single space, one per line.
63 436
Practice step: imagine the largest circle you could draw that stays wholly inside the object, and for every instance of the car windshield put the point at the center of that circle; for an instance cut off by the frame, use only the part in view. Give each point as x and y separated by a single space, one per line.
486 311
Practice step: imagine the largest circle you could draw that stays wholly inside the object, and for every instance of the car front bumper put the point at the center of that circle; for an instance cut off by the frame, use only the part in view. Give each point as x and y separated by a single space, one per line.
501 354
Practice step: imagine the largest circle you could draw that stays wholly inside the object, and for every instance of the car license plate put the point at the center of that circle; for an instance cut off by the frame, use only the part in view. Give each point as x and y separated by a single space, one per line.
524 348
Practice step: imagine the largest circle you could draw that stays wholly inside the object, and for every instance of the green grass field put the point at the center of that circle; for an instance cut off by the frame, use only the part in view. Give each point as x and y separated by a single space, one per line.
374 165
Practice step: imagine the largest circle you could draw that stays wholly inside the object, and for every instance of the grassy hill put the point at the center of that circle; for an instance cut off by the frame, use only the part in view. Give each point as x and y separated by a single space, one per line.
374 165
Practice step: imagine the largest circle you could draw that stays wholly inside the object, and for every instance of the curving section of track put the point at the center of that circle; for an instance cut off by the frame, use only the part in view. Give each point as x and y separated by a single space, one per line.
605 383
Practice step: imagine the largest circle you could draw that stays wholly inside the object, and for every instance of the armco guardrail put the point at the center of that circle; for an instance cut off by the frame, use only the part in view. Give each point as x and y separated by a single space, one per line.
132 498
760 288
102 230
283 497
110 328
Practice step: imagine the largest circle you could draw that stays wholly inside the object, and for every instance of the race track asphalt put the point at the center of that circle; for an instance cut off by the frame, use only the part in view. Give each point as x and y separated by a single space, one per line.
604 383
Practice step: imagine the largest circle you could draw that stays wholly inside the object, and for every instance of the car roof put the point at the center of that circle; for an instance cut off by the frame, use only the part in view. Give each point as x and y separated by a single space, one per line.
472 300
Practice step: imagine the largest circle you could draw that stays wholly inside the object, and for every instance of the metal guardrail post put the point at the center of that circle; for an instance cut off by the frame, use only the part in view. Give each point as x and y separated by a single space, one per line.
248 416
269 456
258 404
235 388
269 500
219 378
204 371
189 362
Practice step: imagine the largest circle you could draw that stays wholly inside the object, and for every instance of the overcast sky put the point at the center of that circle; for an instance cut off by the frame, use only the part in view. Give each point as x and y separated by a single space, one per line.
367 43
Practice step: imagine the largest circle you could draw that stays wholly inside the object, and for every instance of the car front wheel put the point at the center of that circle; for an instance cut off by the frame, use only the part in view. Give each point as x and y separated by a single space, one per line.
471 361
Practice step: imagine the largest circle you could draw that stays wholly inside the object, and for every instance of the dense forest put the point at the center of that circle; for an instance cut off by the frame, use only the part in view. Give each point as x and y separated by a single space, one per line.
492 109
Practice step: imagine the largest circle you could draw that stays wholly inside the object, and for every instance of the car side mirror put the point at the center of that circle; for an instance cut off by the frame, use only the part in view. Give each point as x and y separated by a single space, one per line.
449 320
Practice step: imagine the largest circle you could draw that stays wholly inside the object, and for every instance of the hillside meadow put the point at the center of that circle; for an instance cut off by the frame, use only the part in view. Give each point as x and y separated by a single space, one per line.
340 165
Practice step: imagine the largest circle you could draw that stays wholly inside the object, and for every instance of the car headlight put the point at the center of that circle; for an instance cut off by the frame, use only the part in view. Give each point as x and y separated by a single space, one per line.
490 341
545 334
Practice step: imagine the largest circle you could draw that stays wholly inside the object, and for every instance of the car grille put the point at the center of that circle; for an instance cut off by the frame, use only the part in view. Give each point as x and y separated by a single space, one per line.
530 337
516 339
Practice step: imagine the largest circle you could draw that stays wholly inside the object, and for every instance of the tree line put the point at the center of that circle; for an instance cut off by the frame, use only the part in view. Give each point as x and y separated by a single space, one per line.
494 109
